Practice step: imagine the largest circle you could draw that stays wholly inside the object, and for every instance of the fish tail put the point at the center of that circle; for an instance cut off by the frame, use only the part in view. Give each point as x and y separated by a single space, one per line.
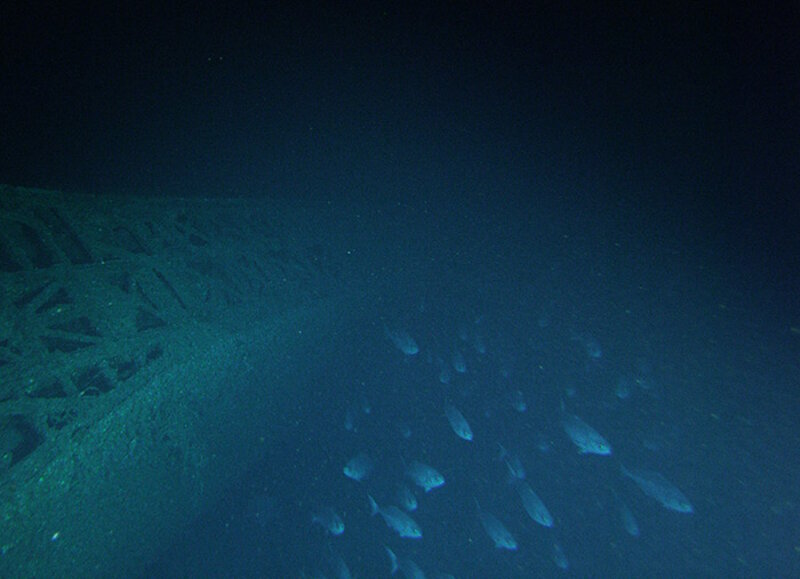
373 506
392 560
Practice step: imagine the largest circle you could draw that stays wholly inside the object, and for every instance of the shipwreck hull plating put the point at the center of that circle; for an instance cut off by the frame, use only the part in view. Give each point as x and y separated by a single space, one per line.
150 350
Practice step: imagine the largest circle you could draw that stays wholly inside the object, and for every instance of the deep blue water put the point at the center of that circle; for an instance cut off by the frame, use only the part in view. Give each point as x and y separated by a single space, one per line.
696 378
552 178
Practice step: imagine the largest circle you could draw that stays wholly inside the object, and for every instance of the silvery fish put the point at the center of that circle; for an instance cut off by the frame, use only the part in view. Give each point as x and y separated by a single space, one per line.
359 467
424 476
329 520
655 486
517 400
516 470
339 567
396 519
478 344
349 420
591 346
497 531
402 340
459 363
559 557
394 564
534 505
406 498
409 568
586 438
445 373
457 422
628 520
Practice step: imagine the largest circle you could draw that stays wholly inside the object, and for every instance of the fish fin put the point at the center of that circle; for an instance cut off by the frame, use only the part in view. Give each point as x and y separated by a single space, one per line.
513 481
373 506
392 560
503 452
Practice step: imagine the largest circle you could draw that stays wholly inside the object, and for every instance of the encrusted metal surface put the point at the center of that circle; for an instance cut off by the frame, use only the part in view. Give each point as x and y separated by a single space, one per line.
122 324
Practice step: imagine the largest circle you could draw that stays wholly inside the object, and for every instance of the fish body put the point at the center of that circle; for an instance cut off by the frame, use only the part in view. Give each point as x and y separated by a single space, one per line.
497 531
359 467
424 476
478 344
338 565
593 349
402 340
349 420
517 399
628 520
586 438
397 520
409 568
459 363
445 372
559 557
534 506
655 486
329 520
457 422
516 470
406 498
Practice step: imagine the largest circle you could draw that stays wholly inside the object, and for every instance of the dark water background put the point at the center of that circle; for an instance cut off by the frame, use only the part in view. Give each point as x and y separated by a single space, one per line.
557 174
712 373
